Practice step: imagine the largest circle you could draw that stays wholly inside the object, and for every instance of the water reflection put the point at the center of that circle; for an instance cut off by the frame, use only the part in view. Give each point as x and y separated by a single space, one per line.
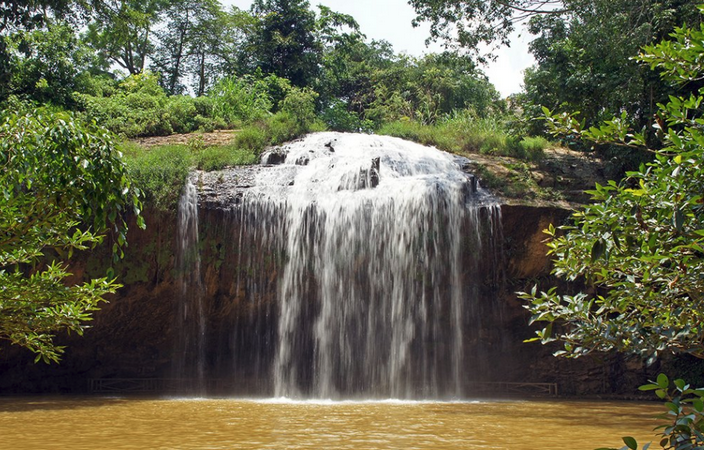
116 423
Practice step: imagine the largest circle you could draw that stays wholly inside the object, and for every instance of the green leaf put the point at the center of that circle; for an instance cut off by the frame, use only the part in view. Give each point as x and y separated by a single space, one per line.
598 250
672 407
662 381
630 443
678 220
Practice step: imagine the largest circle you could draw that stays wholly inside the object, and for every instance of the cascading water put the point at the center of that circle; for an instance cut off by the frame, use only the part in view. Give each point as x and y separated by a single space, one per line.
371 298
189 354
344 266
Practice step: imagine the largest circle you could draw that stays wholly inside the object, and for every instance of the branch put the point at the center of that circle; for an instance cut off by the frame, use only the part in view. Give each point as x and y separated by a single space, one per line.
537 9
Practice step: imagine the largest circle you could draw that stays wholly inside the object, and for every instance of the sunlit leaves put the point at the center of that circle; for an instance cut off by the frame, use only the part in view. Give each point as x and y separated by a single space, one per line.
639 246
684 416
63 187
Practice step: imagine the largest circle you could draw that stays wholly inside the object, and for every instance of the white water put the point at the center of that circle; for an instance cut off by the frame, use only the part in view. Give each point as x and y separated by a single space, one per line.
189 360
372 301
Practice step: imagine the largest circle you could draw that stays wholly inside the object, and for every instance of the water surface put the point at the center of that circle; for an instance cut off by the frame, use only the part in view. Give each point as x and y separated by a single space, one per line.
118 423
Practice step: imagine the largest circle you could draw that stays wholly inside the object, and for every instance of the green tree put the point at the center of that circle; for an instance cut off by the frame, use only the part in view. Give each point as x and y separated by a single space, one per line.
198 44
429 88
585 61
46 65
64 188
121 31
640 246
284 41
472 23
31 14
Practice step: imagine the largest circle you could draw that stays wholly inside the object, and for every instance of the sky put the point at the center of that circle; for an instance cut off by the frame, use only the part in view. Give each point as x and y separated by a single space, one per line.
390 20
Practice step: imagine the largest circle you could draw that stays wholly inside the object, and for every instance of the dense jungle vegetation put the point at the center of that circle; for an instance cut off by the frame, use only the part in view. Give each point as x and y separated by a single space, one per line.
621 79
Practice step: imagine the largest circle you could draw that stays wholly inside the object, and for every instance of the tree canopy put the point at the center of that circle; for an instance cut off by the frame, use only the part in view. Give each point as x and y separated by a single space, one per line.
640 246
586 60
471 23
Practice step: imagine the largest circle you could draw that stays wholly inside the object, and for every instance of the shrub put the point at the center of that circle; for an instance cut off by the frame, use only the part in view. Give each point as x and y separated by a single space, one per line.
138 106
180 112
160 173
216 158
281 127
338 118
534 147
299 104
253 138
240 100
440 137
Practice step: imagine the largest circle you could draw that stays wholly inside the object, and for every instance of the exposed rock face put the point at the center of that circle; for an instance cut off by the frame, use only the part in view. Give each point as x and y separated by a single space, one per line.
134 335
137 334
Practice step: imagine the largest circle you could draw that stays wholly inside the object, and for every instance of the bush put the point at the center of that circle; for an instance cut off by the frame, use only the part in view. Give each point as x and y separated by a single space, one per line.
534 147
464 132
299 104
281 127
160 173
253 138
216 158
412 131
240 100
180 113
338 118
138 106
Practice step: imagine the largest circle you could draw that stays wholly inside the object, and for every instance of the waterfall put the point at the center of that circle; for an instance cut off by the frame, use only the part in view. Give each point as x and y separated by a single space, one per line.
349 266
371 298
189 353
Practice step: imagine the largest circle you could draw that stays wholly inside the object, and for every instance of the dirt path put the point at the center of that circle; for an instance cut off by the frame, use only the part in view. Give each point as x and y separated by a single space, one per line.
217 137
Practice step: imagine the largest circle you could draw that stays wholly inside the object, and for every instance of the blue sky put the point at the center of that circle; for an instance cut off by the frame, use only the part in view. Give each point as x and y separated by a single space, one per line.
391 20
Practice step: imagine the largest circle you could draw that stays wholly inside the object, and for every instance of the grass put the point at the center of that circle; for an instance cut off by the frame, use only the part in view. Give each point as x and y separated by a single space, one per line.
219 157
160 172
464 133
276 129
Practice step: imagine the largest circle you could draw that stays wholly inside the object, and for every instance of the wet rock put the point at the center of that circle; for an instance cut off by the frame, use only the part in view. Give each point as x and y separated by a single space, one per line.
374 173
330 146
274 156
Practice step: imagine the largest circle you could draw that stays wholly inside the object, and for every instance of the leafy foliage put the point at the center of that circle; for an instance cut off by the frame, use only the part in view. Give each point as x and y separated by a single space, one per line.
471 23
641 245
684 426
121 32
219 157
138 106
284 42
465 132
192 24
63 187
45 65
242 99
585 61
160 173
